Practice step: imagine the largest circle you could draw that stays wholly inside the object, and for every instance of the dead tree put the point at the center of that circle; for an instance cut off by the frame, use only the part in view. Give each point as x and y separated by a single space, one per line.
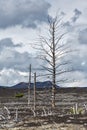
29 85
34 91
53 50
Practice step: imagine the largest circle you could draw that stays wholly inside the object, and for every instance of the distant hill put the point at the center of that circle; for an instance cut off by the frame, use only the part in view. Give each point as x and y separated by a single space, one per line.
23 87
45 84
41 85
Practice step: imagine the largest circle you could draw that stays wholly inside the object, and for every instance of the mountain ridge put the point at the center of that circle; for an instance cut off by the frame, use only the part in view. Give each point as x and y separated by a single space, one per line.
20 85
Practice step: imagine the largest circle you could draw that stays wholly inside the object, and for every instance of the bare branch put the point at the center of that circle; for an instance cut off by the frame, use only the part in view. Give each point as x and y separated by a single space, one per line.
59 38
48 61
46 52
47 68
64 71
62 81
63 64
42 75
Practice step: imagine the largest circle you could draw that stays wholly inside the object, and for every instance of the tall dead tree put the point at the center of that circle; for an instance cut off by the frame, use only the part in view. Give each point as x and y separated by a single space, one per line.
53 50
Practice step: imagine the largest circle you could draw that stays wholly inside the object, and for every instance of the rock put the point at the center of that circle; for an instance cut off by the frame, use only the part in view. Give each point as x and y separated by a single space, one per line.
68 121
85 124
21 123
25 125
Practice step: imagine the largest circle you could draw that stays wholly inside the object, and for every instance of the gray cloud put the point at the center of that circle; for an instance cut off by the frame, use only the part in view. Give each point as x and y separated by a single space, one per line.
77 14
78 58
10 58
83 36
7 42
79 65
23 12
70 24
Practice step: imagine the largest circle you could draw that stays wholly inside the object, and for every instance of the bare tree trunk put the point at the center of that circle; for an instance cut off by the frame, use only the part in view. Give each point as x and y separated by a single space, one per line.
34 91
54 69
29 85
53 97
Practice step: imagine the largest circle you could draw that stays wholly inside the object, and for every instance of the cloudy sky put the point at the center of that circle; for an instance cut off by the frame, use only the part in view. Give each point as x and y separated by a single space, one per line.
22 21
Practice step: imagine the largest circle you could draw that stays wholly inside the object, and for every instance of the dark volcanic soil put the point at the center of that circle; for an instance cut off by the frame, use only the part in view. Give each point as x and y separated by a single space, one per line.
65 99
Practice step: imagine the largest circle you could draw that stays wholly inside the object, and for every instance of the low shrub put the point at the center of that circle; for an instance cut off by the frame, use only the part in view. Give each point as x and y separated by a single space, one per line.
73 110
19 95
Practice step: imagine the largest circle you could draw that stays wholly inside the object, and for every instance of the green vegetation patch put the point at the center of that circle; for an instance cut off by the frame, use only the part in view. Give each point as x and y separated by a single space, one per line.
19 95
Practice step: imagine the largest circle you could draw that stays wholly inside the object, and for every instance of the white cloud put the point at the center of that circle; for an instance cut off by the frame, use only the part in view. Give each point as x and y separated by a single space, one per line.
10 77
